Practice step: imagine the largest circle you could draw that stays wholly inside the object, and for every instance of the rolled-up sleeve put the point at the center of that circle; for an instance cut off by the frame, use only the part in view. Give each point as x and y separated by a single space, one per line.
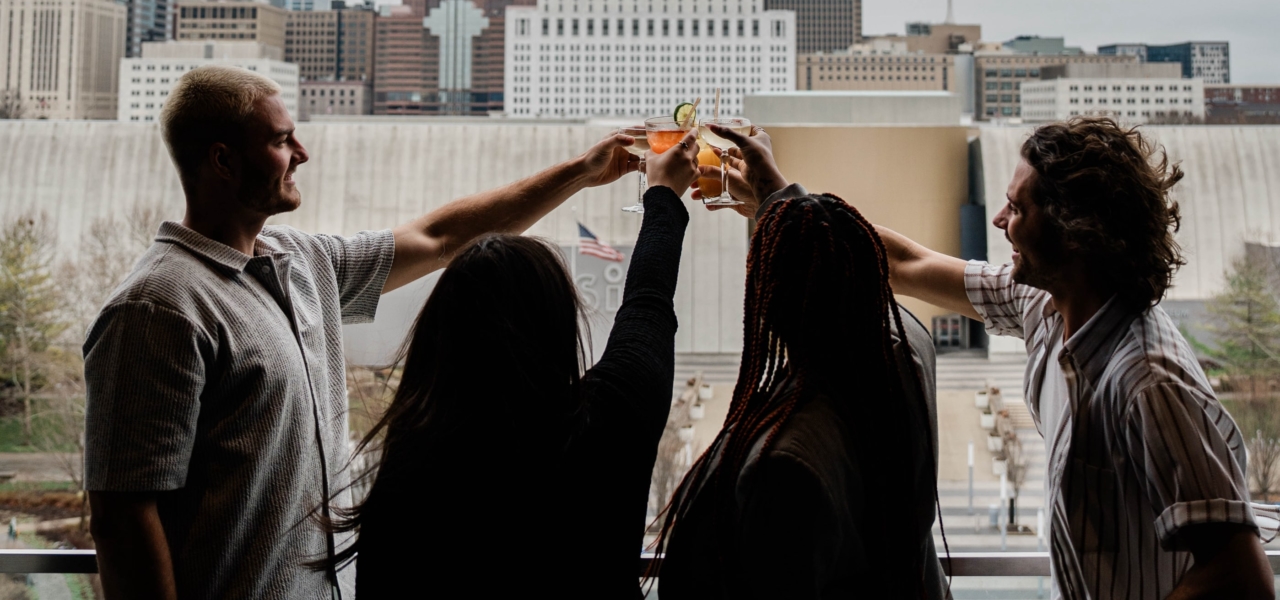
144 369
1183 447
1003 305
361 263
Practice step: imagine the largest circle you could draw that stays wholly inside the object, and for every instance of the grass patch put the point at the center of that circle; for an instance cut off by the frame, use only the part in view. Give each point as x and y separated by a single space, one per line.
37 486
43 427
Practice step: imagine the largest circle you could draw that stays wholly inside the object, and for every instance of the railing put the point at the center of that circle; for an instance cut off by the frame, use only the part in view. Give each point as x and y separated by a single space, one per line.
961 564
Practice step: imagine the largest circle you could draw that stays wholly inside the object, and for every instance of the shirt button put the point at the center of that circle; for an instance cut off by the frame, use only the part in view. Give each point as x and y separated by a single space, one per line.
266 269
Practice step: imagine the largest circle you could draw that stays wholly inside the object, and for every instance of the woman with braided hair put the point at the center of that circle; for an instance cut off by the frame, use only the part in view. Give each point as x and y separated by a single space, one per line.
822 483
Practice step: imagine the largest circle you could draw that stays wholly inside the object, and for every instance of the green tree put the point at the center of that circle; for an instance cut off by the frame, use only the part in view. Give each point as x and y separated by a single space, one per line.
1246 323
31 314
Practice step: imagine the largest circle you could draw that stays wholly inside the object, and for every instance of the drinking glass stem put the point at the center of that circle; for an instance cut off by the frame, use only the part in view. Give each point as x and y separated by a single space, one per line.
724 174
642 178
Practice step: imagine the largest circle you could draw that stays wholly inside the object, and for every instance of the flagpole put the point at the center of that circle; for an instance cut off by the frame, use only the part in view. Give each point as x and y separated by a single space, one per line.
573 264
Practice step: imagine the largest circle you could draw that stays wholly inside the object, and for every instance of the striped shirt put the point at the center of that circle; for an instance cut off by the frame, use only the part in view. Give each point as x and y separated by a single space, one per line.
216 380
1142 447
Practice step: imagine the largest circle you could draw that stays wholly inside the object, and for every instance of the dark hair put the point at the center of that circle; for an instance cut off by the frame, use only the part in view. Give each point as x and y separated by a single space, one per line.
1106 189
495 353
818 313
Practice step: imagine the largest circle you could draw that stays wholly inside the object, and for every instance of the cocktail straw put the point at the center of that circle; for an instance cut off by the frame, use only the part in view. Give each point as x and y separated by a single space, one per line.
689 118
717 111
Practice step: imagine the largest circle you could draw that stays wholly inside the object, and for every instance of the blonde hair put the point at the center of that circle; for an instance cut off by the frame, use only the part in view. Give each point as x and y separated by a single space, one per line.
210 104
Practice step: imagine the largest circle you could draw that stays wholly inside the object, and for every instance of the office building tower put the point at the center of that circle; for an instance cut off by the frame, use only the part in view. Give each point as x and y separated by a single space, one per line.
821 25
1210 61
230 20
145 82
60 58
585 59
441 57
331 45
148 21
1131 93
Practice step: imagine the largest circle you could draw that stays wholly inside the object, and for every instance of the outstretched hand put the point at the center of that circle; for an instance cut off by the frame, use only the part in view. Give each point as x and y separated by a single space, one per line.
753 173
677 168
609 160
738 187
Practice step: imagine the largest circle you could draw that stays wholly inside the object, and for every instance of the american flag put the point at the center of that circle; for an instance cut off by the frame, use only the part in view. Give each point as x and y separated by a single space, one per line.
588 243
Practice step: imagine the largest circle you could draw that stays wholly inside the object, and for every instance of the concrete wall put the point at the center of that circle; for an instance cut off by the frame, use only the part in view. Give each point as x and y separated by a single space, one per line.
1230 195
901 108
375 174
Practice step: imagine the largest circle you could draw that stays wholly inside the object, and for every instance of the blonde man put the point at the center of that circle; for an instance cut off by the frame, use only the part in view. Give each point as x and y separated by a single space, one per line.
216 413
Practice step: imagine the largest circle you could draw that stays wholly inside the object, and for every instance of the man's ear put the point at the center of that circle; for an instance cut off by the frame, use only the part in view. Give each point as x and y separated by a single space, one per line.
221 159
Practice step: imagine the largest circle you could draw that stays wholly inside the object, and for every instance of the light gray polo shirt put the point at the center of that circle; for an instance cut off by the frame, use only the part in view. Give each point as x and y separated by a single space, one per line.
218 380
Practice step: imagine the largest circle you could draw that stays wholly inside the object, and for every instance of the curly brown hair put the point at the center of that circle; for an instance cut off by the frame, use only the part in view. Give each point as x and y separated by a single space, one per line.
1106 189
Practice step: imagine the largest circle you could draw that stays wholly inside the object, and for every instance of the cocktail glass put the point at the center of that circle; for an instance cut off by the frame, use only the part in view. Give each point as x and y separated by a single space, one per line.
662 133
737 124
639 148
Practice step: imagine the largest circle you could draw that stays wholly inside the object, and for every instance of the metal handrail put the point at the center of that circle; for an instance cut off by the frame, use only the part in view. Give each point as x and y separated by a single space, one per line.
960 564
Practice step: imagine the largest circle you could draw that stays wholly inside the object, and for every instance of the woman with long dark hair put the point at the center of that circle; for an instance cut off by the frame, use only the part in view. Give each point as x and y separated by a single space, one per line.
822 483
504 467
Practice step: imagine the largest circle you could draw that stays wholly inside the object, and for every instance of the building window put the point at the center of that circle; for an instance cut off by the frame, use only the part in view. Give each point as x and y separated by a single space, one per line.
1020 73
575 27
560 27
1006 72
991 73
546 27
755 26
1006 97
695 27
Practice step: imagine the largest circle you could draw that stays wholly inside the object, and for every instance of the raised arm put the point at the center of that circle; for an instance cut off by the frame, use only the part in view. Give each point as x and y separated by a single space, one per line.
429 242
639 358
925 274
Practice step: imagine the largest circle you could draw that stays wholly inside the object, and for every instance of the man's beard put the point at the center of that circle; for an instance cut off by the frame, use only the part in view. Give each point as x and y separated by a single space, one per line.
261 194
1039 267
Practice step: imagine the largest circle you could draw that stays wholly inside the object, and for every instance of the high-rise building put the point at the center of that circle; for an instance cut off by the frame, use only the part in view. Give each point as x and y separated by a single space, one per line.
148 21
331 45
1210 61
876 65
578 60
821 25
1133 93
442 57
999 77
230 21
60 58
145 82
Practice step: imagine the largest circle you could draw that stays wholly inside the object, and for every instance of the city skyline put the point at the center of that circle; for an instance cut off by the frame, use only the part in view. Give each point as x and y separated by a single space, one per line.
1246 24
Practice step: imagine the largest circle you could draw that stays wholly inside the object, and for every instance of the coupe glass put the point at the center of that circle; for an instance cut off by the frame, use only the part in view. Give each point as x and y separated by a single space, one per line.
639 148
661 134
737 124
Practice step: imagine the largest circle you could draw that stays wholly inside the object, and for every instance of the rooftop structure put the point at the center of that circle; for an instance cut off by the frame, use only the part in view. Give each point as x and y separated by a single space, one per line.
1034 44
937 38
855 108
579 60
1228 103
340 98
61 58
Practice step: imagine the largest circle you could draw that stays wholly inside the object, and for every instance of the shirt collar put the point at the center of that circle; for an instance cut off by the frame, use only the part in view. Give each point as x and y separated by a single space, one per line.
1092 346
221 255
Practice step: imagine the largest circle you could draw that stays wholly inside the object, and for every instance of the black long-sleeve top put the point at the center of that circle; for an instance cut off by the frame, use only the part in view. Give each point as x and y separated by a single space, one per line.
489 525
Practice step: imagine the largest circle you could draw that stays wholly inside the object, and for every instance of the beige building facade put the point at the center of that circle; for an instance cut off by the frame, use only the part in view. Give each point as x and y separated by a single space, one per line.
865 67
230 21
145 82
327 98
999 77
61 58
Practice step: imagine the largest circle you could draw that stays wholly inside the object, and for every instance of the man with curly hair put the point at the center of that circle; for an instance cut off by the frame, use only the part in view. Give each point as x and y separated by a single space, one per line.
1147 489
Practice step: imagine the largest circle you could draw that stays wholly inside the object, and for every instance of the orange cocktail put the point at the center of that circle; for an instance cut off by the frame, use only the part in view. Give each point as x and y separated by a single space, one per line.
665 132
709 186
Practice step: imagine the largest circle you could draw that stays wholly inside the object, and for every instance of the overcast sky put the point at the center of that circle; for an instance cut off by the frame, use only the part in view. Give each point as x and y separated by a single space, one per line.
1252 26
